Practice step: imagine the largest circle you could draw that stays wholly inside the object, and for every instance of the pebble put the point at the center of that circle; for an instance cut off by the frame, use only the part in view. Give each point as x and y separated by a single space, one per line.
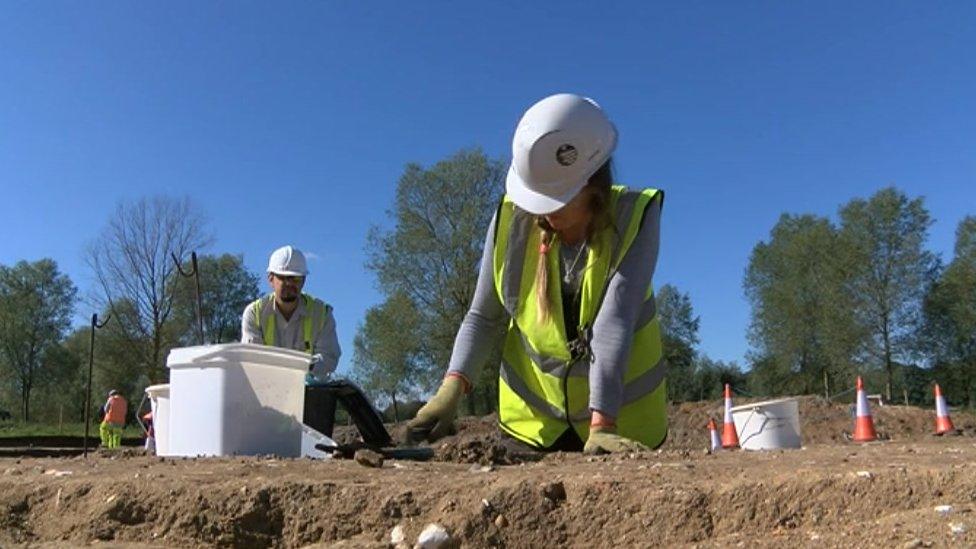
481 468
912 544
368 458
943 509
864 474
957 529
501 521
434 536
397 536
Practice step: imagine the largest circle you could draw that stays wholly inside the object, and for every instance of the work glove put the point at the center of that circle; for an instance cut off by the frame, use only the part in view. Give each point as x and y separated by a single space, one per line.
436 419
605 440
316 373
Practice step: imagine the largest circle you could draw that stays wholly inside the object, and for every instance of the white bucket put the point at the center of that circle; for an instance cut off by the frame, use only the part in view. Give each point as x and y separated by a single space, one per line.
236 399
768 425
159 401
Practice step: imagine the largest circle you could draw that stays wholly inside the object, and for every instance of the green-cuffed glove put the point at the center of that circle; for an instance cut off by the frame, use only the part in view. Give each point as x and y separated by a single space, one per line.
605 440
436 419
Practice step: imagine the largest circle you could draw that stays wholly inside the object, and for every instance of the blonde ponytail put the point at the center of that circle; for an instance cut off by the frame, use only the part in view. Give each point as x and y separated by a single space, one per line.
542 272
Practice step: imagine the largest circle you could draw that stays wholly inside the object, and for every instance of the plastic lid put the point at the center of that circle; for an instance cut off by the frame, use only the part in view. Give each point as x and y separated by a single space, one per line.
752 405
161 389
229 353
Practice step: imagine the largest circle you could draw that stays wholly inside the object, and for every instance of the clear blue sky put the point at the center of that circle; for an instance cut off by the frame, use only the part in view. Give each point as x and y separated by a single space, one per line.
291 122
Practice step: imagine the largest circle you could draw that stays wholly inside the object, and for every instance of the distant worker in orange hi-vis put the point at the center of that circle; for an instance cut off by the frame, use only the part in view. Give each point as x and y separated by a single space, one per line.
114 420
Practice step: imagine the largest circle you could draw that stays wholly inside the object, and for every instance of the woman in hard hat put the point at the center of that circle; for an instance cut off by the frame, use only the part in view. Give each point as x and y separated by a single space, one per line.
567 267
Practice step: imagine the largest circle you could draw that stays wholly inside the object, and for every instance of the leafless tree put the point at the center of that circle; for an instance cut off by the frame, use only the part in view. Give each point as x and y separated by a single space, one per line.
132 264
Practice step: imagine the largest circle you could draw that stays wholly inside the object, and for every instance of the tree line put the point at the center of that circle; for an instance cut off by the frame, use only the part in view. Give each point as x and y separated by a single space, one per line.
147 308
830 300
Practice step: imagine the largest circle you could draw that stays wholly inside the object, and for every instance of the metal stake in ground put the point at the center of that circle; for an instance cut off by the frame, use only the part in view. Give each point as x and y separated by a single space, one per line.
91 364
196 278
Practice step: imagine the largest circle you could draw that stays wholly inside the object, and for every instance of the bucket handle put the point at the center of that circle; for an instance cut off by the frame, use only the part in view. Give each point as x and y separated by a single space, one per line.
756 410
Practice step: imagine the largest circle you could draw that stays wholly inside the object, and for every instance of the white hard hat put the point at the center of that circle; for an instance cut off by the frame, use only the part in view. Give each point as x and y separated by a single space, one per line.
559 143
288 261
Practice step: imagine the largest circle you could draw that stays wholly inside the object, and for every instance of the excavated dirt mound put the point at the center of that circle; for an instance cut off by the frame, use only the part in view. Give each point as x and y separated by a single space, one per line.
913 490
478 440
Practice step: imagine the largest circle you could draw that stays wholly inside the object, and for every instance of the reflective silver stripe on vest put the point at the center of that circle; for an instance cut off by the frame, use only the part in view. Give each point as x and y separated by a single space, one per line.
551 365
624 210
522 224
515 383
647 312
645 383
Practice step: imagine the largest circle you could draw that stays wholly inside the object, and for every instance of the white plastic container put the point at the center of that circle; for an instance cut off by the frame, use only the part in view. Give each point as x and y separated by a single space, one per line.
158 396
236 399
768 425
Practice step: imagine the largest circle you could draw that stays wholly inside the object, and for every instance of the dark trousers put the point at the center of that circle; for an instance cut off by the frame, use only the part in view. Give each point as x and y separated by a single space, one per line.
320 409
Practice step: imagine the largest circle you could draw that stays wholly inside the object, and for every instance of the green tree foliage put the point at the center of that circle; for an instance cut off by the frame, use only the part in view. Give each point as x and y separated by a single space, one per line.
62 398
387 354
886 236
226 288
802 328
131 260
950 318
432 253
710 377
679 337
36 304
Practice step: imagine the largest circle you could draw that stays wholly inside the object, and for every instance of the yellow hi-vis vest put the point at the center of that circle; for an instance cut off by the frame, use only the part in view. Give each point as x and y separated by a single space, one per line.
314 320
544 379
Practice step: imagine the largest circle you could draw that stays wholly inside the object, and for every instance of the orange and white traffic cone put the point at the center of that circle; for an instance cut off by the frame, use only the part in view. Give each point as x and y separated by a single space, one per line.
729 437
943 424
863 424
713 434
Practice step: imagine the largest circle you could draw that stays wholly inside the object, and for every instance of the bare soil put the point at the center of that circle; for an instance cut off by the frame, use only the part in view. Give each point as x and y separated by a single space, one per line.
830 493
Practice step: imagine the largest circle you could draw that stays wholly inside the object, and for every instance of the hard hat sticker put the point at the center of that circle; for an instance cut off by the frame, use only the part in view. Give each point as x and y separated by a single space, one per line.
566 154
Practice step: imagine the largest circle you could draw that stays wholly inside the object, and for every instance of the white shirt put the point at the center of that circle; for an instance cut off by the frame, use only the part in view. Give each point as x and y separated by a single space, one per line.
290 334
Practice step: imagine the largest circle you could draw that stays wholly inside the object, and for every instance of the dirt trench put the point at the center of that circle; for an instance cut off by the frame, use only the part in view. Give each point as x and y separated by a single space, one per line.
831 493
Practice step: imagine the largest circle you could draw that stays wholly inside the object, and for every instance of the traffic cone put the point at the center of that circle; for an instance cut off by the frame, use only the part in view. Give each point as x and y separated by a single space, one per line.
713 434
943 424
729 437
863 424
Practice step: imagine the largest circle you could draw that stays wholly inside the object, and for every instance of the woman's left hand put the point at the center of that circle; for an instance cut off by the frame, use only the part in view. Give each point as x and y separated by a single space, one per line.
604 440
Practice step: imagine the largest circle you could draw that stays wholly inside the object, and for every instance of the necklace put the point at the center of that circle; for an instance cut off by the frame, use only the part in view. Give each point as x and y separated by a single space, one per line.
569 274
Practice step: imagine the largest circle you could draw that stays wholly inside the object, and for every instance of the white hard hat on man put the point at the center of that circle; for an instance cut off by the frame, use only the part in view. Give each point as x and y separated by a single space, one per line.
559 143
288 261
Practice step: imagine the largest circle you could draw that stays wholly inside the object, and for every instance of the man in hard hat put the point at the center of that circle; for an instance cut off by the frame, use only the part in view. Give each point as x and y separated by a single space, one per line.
567 270
289 318
113 422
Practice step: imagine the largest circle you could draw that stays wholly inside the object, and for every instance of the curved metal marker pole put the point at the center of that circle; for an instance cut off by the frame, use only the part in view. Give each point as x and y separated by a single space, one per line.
196 276
91 363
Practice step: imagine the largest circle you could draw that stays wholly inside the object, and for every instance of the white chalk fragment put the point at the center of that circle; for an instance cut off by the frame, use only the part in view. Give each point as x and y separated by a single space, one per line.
943 509
57 473
434 536
397 536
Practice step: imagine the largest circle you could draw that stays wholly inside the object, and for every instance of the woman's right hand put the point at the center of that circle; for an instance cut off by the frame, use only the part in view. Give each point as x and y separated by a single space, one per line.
436 419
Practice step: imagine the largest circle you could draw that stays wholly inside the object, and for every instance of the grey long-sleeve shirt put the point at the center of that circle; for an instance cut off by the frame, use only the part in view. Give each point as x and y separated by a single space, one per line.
613 329
290 334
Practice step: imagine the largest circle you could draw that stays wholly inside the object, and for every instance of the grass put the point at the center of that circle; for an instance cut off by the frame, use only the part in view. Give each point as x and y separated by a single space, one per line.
21 429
